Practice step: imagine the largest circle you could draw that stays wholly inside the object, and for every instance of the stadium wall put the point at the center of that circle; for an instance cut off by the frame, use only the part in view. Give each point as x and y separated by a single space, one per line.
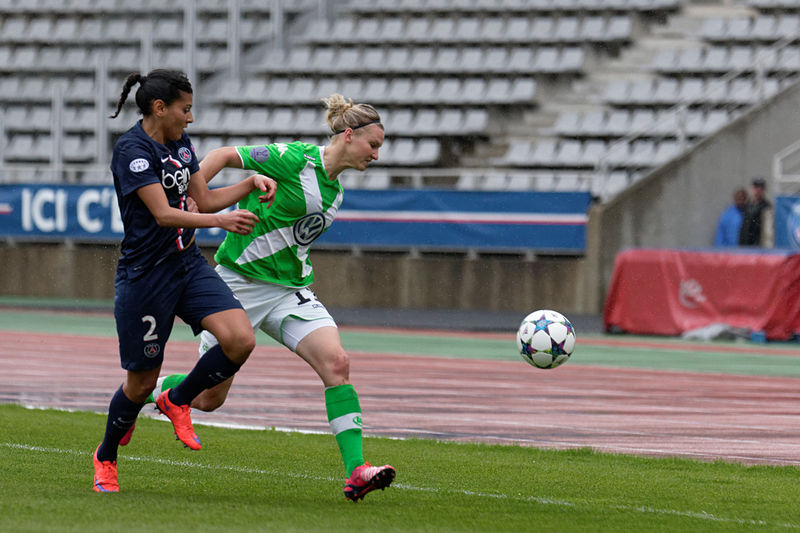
371 280
677 205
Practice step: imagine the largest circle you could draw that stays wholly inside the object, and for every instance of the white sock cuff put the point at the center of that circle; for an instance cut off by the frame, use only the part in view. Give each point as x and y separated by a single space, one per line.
345 422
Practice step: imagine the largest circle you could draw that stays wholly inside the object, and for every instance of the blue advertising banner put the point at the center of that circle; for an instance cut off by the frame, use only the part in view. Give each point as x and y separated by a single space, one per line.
787 222
428 219
442 220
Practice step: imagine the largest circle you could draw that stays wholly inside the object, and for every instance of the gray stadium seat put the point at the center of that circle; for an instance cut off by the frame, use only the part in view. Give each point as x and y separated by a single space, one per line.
399 89
666 60
450 91
539 30
691 59
374 59
618 123
325 87
592 152
787 26
571 60
520 153
349 60
447 60
691 89
523 60
426 122
523 91
543 153
789 59
401 121
740 58
764 29
15 29
77 150
375 179
567 30
592 123
475 121
620 28
418 59
593 29
472 60
428 151
495 59
642 120
715 60
442 30
493 30
616 91
392 30
303 89
569 153
425 91
376 89
738 29
666 150
642 153
468 29
324 59
418 30
666 91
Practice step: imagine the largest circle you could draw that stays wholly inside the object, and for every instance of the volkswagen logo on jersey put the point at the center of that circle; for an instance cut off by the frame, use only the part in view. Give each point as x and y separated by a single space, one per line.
308 228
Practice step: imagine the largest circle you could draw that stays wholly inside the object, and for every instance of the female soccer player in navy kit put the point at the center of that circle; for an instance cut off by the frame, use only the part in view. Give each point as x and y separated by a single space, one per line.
161 273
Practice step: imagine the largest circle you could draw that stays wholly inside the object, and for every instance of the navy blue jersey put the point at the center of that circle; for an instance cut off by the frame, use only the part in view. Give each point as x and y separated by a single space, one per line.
139 160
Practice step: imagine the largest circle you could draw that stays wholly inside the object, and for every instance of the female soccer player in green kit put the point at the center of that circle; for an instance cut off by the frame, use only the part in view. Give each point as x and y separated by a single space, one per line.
270 271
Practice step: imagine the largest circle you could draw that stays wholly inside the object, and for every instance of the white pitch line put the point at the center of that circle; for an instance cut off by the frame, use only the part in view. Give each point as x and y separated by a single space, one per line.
700 515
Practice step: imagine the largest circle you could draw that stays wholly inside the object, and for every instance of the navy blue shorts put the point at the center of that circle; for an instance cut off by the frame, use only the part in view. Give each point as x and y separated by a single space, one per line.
146 304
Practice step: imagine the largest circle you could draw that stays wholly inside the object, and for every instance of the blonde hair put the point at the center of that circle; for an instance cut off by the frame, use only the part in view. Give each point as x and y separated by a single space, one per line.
342 113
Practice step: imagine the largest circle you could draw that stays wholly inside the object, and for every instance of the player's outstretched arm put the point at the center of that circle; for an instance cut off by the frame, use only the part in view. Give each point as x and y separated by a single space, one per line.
213 200
211 165
239 221
217 159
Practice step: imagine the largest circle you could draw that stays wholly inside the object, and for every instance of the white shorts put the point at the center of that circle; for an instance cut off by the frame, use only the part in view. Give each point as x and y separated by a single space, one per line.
286 314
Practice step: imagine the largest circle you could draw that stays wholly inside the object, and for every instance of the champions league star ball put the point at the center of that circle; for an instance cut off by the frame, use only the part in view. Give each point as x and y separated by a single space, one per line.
545 339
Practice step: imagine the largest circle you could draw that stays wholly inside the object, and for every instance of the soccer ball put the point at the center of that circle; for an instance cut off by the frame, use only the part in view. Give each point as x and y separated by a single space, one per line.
545 339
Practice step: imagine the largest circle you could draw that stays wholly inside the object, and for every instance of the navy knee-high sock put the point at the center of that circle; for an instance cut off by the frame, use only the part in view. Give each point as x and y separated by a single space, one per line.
213 368
122 413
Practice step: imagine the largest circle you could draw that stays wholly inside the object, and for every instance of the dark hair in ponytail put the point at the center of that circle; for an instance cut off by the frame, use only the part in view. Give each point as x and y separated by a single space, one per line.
159 84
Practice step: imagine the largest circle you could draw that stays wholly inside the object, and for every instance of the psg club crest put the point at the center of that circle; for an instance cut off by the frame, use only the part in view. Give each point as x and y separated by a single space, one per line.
185 154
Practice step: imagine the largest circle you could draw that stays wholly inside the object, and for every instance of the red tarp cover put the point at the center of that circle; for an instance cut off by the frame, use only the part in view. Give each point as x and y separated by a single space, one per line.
668 292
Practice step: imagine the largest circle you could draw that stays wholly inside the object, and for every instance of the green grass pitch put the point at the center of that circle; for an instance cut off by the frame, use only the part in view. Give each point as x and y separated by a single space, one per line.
246 480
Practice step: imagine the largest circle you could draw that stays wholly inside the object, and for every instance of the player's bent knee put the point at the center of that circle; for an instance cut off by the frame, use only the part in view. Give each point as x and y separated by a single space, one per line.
237 345
339 364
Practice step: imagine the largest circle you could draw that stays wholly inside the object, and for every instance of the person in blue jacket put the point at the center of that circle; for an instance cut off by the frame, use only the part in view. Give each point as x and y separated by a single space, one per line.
730 221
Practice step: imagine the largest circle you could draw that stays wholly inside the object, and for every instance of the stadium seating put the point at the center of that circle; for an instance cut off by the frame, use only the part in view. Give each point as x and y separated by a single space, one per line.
488 85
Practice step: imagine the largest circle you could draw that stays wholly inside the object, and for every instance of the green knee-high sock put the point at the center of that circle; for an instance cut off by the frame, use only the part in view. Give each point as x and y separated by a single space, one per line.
344 415
163 384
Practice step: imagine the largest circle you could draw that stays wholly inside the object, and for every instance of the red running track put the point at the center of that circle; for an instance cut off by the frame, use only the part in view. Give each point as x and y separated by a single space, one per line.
752 419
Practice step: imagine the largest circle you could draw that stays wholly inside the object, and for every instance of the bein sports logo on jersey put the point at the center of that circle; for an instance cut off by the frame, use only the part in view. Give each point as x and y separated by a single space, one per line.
308 228
179 179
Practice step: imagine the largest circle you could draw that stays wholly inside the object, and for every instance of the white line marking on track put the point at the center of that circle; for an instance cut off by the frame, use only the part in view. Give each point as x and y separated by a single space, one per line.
701 515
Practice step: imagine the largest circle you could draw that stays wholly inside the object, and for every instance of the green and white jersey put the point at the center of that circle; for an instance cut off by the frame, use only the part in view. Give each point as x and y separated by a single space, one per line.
306 202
